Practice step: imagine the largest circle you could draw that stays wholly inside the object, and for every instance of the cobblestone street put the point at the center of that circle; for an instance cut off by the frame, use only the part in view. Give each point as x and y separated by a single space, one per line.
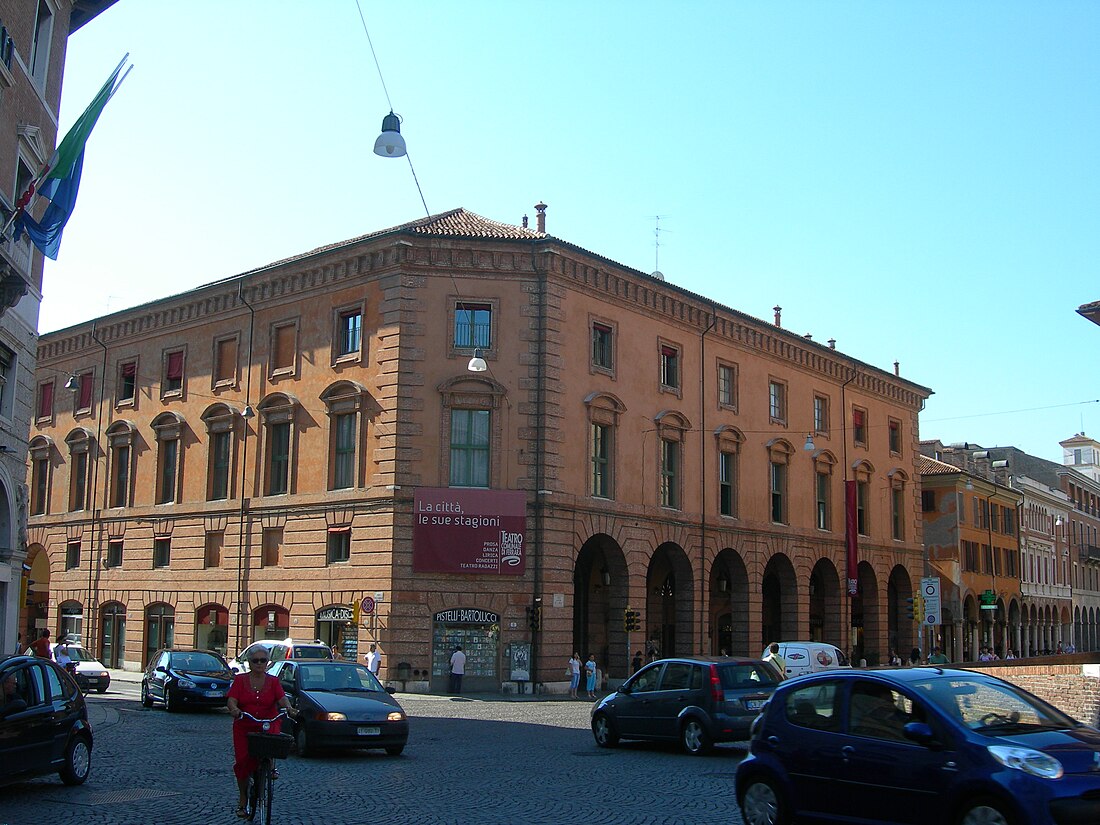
469 760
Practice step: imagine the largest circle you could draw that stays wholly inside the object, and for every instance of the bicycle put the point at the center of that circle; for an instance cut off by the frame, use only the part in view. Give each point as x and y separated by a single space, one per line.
265 748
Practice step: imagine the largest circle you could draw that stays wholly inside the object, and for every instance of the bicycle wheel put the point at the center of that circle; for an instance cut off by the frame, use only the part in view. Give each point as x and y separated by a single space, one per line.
261 787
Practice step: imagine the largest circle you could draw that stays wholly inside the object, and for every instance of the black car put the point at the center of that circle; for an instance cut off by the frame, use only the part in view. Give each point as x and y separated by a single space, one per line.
186 678
341 705
43 722
697 701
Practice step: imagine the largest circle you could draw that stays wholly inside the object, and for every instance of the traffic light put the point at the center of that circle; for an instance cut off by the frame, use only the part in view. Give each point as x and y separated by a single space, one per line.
534 617
27 598
632 620
914 608
910 608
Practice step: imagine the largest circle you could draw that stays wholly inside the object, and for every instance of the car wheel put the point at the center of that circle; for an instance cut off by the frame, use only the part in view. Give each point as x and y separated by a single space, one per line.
604 731
762 804
302 741
171 701
694 737
395 750
146 697
78 762
984 812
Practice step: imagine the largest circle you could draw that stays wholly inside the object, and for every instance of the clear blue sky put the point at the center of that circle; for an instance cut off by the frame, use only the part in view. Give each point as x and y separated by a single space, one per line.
919 181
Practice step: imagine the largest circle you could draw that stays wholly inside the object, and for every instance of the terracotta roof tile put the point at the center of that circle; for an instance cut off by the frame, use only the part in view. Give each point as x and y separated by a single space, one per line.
931 467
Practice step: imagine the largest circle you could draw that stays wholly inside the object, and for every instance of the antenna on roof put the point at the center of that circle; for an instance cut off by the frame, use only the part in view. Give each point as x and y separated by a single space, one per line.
657 246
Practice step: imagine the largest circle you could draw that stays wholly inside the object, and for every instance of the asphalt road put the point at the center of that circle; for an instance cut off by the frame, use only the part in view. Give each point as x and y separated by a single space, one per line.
469 760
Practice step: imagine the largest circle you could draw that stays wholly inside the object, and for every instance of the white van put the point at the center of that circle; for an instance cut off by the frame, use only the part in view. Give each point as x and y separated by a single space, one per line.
810 657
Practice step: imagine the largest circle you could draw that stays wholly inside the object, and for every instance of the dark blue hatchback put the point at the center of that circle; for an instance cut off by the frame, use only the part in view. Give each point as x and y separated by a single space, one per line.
917 745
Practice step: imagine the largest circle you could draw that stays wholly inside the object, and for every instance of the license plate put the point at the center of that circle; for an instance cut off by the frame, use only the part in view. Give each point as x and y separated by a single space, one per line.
91 680
369 731
213 693
754 704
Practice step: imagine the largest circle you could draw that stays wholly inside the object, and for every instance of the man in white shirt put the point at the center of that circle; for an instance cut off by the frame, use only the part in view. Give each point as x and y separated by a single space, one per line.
373 659
777 661
458 669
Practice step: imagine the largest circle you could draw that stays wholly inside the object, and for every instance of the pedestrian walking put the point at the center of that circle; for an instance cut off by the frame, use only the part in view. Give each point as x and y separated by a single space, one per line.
636 662
590 675
775 660
374 659
895 659
458 669
914 657
41 646
574 670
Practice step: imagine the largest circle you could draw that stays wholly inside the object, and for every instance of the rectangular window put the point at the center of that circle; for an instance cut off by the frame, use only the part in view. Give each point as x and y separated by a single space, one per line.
602 351
120 478
78 490
779 492
670 473
173 372
72 555
601 460
928 501
45 400
897 513
169 466
995 518
473 326
343 469
894 431
727 483
469 448
823 491
983 513
777 402
212 555
859 426
225 361
272 546
339 545
670 367
1009 522
862 492
40 480
278 477
349 333
821 415
162 552
84 392
127 381
7 381
114 553
40 44
285 338
727 385
219 475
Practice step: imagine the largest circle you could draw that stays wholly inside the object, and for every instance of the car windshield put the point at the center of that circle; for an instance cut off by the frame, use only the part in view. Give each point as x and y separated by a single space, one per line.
312 653
991 707
79 654
339 678
747 676
196 661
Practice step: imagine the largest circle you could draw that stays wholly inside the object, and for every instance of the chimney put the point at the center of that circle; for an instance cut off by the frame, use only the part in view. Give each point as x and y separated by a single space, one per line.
808 336
832 343
897 368
778 310
540 208
524 221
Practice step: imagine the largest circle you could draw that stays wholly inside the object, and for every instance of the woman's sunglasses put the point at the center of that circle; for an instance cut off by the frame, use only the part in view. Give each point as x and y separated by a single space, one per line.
258 661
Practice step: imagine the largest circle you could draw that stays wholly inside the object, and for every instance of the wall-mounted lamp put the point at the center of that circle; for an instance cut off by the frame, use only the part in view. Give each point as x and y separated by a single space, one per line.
271 617
969 483
477 363
73 383
723 584
248 412
390 144
809 445
605 577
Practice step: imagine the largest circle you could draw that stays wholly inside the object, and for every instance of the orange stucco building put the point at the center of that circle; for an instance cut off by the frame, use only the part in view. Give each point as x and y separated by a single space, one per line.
256 456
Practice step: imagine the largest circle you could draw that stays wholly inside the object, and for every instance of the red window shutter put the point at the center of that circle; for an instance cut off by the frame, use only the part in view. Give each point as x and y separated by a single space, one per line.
857 417
45 400
130 368
668 352
85 400
175 366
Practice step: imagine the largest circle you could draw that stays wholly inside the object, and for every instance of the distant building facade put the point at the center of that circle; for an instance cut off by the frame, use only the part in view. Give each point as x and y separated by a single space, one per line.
303 450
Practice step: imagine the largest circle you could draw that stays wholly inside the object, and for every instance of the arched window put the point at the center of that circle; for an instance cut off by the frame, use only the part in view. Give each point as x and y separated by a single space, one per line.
344 403
121 440
864 472
41 451
779 459
728 441
472 426
897 478
604 410
168 428
80 442
277 414
824 462
221 432
671 429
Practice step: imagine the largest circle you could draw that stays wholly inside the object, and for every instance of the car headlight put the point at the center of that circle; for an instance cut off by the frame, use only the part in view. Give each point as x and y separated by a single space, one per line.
186 684
331 717
396 716
1027 760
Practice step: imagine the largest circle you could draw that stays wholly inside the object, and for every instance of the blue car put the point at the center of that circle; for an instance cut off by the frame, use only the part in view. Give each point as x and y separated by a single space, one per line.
920 745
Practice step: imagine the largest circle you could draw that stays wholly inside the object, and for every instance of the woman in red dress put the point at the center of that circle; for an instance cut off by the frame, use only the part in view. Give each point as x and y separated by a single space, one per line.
261 695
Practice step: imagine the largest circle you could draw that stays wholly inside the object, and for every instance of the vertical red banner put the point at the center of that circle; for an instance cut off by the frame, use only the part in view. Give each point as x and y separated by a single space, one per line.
851 534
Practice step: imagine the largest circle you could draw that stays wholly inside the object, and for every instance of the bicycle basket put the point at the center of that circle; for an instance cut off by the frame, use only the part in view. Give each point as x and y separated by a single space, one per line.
269 745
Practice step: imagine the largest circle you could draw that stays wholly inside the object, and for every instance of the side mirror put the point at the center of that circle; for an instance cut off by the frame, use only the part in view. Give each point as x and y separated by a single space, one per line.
919 732
391 690
624 689
161 669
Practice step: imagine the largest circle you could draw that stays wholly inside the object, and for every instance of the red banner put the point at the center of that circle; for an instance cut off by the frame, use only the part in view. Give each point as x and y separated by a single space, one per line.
851 536
458 530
